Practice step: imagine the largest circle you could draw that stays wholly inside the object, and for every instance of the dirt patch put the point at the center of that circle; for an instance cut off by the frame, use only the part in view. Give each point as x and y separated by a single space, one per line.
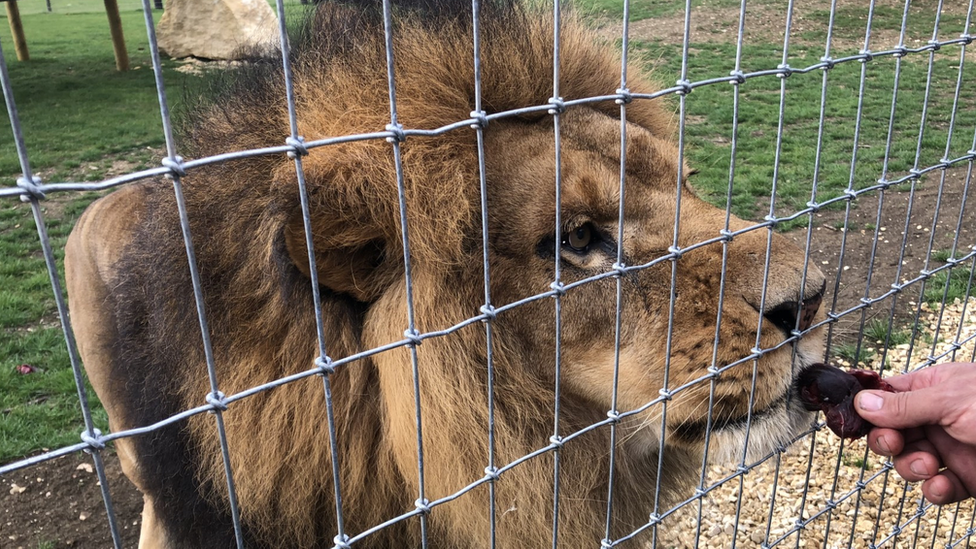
861 276
58 503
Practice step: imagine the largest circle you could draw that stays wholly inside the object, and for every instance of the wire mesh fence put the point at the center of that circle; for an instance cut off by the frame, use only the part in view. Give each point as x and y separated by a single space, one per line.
848 128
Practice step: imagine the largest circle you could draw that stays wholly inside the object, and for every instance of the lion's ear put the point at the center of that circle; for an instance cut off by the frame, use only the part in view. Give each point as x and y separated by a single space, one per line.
352 225
356 265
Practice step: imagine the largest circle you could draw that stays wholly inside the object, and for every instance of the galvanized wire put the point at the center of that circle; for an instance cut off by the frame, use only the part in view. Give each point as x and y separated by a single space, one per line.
174 167
174 163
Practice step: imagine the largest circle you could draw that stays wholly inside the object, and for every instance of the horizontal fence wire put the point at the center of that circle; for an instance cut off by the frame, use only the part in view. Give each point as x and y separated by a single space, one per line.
807 515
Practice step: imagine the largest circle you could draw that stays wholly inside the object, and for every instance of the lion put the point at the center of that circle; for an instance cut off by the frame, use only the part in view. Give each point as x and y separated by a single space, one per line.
133 308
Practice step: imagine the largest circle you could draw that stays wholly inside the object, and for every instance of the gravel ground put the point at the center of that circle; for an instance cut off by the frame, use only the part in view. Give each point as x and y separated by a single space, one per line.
810 496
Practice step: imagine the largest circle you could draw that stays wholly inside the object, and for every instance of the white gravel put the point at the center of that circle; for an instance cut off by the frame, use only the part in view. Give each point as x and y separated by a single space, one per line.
844 496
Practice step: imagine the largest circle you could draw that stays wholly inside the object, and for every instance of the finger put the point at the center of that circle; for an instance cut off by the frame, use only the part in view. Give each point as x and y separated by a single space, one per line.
886 442
944 488
920 460
901 410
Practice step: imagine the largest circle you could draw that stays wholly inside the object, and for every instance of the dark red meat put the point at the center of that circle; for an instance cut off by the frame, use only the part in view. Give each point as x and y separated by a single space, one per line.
831 391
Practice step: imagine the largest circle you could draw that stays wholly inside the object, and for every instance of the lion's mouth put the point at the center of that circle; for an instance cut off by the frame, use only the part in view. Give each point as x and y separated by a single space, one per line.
693 431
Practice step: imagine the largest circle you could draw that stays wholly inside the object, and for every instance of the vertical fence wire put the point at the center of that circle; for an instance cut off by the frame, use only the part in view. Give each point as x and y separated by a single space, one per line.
28 182
916 164
487 309
942 181
757 349
557 109
675 251
323 361
215 398
396 139
713 368
619 265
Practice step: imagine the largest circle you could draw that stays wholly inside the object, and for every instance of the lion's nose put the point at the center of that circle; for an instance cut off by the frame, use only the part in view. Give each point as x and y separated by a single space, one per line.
793 314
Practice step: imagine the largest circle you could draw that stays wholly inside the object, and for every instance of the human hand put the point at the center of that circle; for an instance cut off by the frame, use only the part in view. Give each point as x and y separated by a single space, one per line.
928 427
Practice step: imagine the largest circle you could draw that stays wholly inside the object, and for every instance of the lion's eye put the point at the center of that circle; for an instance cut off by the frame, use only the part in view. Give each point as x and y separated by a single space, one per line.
580 238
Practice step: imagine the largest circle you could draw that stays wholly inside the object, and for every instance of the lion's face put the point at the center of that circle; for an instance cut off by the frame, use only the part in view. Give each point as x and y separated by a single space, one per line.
522 174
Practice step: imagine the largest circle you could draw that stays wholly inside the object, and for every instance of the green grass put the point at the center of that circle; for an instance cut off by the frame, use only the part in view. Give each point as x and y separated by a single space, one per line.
710 114
79 116
75 108
953 284
38 409
646 9
876 331
849 352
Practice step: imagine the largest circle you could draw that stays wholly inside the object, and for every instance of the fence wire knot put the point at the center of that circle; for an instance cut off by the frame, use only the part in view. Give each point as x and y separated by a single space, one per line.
341 542
325 366
175 166
557 441
218 400
675 251
654 519
398 134
422 505
784 70
666 394
899 51
738 77
297 143
614 416
93 440
685 87
625 96
491 473
828 62
558 288
557 105
480 120
489 311
413 336
619 269
605 543
32 187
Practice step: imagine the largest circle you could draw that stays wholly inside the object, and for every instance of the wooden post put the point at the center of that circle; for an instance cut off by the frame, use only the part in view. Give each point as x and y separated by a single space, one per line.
118 41
17 30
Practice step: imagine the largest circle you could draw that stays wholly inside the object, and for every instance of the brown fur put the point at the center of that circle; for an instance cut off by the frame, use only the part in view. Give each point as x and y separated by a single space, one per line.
134 313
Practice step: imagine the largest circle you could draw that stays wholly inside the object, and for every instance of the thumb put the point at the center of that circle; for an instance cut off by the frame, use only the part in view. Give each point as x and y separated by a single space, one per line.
900 410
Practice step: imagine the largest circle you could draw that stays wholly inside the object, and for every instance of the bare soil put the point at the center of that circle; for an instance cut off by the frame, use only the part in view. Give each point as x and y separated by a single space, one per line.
58 503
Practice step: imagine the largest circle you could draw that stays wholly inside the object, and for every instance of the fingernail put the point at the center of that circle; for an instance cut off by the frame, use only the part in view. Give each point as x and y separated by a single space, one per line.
918 467
869 402
883 445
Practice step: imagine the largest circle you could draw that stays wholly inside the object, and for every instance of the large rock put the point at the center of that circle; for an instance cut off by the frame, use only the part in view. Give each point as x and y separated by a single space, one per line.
216 29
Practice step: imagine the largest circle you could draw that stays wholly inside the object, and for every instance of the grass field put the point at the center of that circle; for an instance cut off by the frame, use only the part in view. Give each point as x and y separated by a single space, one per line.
80 116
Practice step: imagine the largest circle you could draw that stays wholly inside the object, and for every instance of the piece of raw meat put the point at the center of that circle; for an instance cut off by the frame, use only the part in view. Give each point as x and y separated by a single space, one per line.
831 390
